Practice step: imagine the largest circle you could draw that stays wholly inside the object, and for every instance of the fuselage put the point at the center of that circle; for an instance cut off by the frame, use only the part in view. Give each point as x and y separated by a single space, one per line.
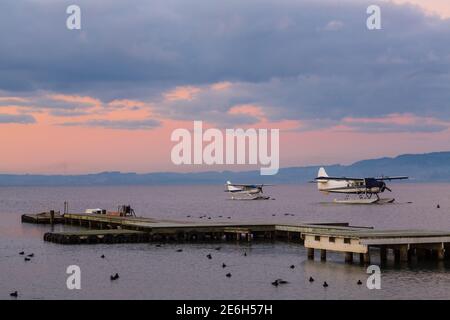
347 186
243 189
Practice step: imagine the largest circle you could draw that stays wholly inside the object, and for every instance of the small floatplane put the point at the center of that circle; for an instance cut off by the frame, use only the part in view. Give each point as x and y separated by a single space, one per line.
366 189
246 191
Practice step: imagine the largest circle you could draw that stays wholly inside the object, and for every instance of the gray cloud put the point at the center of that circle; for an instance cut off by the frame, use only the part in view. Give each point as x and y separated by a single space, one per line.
303 60
68 113
16 118
145 124
389 128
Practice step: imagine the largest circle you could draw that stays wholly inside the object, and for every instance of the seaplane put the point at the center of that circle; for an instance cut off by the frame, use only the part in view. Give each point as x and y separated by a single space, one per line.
246 191
367 190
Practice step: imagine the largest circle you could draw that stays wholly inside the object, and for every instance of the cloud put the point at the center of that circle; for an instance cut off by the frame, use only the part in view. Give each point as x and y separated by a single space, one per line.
200 59
395 123
16 118
181 93
334 25
145 124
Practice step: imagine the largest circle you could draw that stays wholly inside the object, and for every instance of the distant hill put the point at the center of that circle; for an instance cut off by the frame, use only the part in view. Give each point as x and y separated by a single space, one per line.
429 167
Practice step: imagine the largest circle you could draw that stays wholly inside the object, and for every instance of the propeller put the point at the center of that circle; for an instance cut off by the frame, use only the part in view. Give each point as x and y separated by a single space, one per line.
384 187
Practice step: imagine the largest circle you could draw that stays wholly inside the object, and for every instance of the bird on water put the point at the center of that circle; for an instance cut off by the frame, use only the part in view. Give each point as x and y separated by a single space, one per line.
14 294
311 279
114 277
277 282
325 284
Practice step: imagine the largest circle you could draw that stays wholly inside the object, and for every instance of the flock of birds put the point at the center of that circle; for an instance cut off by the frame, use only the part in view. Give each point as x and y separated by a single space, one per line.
275 283
209 256
206 217
27 258
209 218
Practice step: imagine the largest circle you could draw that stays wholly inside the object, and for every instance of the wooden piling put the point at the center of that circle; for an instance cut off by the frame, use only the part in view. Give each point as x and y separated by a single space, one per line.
349 257
310 253
383 254
323 255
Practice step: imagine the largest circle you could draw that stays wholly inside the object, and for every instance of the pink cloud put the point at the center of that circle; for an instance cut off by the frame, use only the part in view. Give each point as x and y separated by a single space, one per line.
437 7
221 85
248 109
182 93
75 99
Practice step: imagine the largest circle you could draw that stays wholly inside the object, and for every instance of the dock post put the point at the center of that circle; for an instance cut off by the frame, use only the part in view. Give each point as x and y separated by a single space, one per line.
383 254
367 257
52 217
349 257
310 253
364 258
396 255
404 253
323 255
441 253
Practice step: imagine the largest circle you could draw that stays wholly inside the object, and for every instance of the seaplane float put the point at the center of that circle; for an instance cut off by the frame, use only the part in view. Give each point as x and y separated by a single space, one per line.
246 191
363 190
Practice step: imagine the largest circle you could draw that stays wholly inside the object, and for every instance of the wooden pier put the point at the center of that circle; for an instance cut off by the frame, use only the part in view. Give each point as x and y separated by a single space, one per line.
50 217
96 236
405 245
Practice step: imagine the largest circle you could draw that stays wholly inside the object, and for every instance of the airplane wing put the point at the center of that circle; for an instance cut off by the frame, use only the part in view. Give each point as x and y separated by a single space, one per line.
251 185
344 188
362 179
339 178
391 178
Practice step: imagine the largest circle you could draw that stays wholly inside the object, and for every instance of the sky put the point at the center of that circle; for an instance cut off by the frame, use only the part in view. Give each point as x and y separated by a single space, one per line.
107 97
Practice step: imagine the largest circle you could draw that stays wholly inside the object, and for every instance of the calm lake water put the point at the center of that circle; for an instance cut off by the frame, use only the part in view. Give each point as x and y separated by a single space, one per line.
150 272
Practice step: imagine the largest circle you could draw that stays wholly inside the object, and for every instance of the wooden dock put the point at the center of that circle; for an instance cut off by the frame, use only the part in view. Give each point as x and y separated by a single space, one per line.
43 218
405 245
96 236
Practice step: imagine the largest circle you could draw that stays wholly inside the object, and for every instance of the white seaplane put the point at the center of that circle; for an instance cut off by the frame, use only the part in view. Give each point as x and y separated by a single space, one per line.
246 191
366 189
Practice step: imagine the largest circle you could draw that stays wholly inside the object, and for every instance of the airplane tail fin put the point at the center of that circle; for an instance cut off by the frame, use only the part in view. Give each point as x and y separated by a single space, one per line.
321 184
322 172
